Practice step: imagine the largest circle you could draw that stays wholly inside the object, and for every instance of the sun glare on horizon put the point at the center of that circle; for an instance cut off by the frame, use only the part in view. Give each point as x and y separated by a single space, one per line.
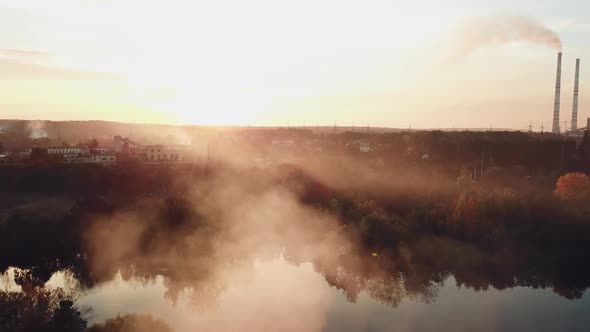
199 69
388 63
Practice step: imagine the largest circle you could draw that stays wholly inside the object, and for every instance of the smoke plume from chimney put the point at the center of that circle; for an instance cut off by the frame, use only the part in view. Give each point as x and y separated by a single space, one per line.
498 30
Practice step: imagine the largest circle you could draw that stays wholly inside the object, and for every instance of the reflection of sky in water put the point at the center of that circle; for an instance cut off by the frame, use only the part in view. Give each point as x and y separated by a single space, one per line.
462 309
282 296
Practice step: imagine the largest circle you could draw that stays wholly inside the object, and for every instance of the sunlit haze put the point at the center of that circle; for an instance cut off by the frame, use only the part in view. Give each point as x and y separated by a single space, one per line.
382 63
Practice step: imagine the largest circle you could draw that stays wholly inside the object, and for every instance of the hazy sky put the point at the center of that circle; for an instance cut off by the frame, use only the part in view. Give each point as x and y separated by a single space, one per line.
268 62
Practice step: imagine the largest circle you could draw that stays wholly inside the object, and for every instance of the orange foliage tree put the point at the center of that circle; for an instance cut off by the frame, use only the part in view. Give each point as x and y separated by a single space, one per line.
573 187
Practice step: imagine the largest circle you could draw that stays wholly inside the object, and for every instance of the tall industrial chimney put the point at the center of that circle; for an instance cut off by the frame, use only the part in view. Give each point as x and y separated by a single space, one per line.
576 91
557 96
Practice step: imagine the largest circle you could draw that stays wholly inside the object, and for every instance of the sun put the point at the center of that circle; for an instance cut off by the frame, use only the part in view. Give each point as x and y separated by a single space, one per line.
202 63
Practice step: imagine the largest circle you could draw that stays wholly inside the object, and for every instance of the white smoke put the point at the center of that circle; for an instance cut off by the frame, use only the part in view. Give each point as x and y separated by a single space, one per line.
37 129
499 30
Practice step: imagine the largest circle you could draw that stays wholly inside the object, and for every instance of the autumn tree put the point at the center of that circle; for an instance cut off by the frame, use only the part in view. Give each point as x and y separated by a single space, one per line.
573 187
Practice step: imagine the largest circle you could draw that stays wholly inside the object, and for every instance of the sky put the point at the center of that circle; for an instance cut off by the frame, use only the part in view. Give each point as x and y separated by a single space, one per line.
263 62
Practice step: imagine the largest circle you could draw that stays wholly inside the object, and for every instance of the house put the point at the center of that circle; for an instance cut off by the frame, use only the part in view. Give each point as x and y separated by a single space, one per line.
364 147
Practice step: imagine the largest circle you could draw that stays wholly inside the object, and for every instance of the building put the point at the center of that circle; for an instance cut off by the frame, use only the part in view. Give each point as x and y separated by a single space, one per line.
172 154
161 153
66 151
84 155
154 152
364 147
283 142
102 150
125 145
103 158
119 143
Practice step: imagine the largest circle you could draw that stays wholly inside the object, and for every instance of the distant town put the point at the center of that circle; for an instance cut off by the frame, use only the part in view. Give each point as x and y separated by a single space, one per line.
451 152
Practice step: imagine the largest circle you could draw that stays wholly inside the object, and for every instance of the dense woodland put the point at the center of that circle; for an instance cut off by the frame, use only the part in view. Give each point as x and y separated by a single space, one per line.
396 224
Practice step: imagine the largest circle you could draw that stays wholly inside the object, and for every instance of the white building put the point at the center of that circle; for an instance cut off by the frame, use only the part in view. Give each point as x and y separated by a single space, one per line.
365 147
103 150
82 155
283 142
66 151
100 158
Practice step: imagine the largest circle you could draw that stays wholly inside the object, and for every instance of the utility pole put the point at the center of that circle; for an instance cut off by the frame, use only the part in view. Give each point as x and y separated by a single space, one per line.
562 157
481 169
208 156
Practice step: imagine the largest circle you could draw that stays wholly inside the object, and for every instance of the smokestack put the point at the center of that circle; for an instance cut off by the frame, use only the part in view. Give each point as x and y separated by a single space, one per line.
576 91
557 96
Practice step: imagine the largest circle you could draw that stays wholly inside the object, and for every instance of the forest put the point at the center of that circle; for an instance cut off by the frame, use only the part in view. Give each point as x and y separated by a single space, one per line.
387 233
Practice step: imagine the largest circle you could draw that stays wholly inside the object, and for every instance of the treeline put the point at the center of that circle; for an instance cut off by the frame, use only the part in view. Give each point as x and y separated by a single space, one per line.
92 179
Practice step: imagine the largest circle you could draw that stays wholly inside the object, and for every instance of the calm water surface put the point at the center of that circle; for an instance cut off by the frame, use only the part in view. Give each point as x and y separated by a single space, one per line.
281 296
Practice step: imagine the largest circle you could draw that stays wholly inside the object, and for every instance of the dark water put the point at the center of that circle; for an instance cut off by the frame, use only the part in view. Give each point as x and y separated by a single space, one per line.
278 296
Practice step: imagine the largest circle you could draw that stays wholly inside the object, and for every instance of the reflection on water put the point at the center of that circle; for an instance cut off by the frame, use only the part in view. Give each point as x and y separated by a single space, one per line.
277 295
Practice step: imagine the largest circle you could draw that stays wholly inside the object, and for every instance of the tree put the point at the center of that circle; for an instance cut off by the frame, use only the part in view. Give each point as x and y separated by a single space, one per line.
573 187
39 309
38 154
131 323
92 144
1 148
66 318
